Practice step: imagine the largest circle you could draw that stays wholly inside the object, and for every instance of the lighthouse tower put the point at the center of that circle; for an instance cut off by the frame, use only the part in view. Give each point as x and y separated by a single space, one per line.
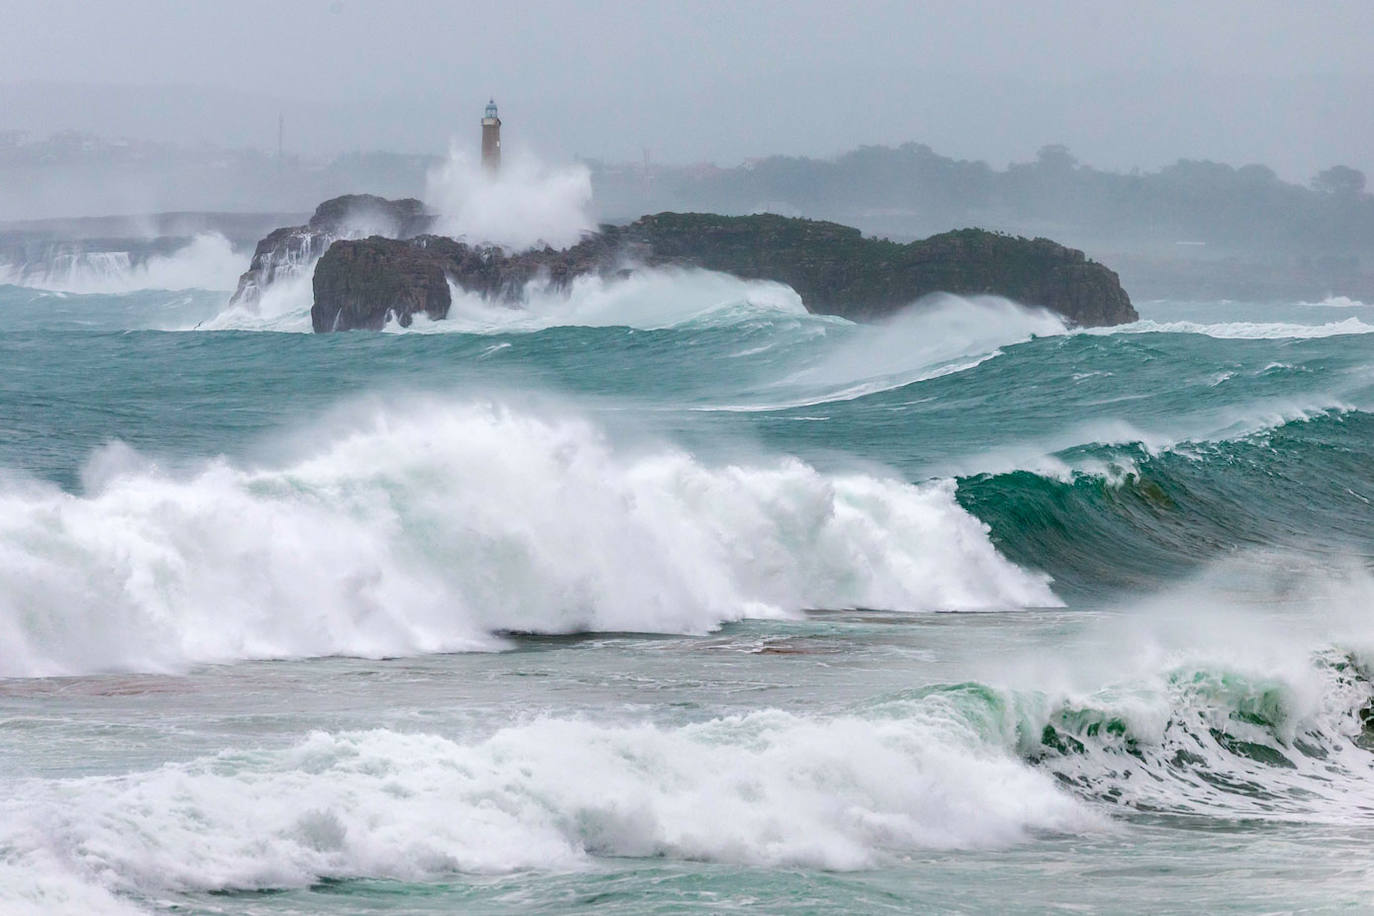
491 138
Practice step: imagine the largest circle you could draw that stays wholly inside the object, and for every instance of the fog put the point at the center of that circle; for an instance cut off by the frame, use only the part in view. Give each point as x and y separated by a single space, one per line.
1202 148
1236 81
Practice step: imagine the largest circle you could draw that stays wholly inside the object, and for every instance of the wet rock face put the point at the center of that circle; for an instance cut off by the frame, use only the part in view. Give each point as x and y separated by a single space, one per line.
367 214
360 275
362 282
292 250
837 271
366 282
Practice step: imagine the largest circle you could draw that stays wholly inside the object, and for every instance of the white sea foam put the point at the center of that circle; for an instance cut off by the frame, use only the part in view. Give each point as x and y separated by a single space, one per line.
767 788
1195 703
1337 302
939 335
526 204
646 298
208 261
1235 694
1247 330
424 530
283 306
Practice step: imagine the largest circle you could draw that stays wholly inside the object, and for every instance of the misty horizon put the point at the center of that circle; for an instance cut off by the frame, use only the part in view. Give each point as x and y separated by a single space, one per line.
1231 82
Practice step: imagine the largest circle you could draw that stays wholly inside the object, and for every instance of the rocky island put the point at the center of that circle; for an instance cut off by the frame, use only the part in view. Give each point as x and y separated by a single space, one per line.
401 271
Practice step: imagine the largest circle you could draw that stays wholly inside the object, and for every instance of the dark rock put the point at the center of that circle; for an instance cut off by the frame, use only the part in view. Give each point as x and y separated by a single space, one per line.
408 278
368 214
359 283
348 298
837 271
290 251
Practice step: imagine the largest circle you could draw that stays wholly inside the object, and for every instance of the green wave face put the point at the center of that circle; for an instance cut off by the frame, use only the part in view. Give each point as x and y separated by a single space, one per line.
1112 461
1155 517
665 589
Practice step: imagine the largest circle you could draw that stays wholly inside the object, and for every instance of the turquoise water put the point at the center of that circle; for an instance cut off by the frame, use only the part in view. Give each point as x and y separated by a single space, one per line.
665 595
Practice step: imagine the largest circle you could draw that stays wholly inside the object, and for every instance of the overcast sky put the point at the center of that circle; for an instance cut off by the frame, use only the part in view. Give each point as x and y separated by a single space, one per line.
1123 85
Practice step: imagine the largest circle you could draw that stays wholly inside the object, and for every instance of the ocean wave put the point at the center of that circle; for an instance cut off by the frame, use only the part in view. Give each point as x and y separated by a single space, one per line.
1242 692
1221 742
283 306
1136 515
1199 713
1337 302
766 788
1109 449
207 262
939 335
646 299
429 528
1241 330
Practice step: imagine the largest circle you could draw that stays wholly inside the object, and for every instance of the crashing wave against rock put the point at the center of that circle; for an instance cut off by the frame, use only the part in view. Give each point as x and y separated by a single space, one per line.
363 283
293 250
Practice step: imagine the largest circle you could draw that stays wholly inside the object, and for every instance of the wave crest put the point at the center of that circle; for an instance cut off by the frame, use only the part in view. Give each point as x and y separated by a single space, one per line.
1243 330
768 788
208 261
428 530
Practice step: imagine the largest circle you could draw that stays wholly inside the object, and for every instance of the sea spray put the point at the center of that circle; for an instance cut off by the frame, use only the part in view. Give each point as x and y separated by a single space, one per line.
283 306
526 204
645 298
207 261
937 335
767 788
1075 730
1243 330
427 528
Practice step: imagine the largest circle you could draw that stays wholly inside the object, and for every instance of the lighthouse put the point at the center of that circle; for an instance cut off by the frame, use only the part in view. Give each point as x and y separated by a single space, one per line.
491 138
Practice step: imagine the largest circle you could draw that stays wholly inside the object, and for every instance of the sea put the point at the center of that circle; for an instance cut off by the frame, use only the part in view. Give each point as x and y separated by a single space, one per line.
659 594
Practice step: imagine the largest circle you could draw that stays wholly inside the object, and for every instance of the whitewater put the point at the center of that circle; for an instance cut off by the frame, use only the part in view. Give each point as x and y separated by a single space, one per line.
659 593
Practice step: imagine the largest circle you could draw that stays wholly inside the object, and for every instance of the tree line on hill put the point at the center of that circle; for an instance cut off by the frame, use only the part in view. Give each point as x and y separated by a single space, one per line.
912 190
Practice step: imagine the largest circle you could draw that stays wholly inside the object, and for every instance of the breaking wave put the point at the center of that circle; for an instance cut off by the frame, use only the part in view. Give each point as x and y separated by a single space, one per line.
1246 330
1135 516
430 530
526 204
647 299
938 335
1337 302
282 306
766 788
1203 714
208 261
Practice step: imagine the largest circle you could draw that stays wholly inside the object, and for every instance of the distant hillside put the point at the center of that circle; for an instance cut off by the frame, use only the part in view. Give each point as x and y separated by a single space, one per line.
911 190
1193 229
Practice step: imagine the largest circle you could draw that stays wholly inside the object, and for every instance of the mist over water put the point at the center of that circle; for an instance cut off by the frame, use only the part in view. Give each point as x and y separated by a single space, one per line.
526 204
207 262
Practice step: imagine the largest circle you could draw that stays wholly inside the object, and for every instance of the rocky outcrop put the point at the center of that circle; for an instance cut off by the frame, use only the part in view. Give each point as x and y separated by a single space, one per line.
362 284
837 271
366 282
293 250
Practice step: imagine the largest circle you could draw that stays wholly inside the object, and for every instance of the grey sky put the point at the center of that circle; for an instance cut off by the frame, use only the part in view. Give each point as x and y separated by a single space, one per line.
1122 84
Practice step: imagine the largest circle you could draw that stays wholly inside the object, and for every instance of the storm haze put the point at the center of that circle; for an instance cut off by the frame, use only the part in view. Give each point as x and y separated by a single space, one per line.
1123 88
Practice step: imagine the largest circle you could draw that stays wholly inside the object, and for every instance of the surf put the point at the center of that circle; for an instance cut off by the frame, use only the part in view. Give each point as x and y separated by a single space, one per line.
431 527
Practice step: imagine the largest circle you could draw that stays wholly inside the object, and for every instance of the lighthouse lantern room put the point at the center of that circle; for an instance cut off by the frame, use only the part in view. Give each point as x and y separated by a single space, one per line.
491 138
